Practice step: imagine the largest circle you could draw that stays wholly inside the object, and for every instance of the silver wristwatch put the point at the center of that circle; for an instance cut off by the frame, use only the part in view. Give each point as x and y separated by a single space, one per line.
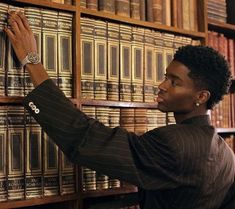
32 57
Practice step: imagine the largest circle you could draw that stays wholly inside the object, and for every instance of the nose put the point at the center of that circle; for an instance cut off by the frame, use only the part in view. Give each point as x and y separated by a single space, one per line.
163 85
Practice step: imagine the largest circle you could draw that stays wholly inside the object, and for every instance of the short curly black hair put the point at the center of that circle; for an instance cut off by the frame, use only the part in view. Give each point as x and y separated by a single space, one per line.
208 69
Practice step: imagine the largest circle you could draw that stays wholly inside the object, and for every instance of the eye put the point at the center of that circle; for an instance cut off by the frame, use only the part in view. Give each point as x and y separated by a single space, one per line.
173 82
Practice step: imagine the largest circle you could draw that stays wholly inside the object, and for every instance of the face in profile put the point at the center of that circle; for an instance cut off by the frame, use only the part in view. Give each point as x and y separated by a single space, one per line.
177 93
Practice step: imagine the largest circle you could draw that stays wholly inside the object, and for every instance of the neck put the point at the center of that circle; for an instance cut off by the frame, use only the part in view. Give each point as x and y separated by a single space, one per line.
179 117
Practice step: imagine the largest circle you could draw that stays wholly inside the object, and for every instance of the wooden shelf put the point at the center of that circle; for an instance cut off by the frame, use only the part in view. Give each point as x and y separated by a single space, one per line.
5 100
157 26
37 201
225 130
46 4
225 28
118 103
109 192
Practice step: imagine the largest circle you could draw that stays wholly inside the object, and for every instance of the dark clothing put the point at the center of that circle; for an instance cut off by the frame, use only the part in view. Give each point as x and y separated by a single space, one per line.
183 166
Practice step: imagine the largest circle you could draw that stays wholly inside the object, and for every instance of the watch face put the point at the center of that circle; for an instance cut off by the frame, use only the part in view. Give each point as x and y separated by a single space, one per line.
33 57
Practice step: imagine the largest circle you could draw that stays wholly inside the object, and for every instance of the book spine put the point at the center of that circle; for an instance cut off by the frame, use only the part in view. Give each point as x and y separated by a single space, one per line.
51 167
102 114
127 119
137 64
107 6
87 58
125 62
88 175
34 17
100 76
92 4
3 154
16 150
149 10
83 3
166 12
123 8
186 14
143 10
114 121
140 121
68 184
65 53
157 11
168 48
3 22
49 43
135 9
113 61
15 72
33 175
159 61
149 65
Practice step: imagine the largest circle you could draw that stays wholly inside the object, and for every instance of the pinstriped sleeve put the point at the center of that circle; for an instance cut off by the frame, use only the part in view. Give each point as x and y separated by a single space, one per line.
88 142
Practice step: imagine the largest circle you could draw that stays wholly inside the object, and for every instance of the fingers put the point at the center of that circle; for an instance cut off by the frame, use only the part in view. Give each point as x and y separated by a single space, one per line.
14 25
18 21
24 20
10 34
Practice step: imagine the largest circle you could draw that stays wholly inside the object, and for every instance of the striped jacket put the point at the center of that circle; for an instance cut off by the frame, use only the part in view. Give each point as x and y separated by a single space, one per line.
183 166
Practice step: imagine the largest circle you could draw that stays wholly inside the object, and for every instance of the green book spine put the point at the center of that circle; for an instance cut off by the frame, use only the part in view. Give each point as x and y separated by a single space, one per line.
87 58
137 64
34 17
100 75
125 62
16 151
3 22
113 61
50 43
33 174
65 80
15 72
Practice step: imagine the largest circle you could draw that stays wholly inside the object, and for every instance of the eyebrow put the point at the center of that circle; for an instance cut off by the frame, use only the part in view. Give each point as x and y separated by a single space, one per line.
173 76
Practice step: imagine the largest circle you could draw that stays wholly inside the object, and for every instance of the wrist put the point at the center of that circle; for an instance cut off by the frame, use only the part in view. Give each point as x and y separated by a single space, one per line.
31 58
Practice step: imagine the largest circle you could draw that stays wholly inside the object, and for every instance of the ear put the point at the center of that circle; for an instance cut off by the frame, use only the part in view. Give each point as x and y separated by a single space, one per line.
203 96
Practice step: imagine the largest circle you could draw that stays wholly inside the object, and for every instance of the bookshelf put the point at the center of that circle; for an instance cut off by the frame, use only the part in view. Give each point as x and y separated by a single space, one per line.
76 200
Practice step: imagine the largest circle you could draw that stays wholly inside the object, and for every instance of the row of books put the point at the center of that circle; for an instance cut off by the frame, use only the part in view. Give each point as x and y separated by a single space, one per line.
180 13
62 1
217 10
31 165
53 33
223 114
225 45
134 120
123 62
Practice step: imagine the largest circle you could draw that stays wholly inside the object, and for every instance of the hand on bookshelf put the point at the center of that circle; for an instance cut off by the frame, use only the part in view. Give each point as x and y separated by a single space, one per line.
20 34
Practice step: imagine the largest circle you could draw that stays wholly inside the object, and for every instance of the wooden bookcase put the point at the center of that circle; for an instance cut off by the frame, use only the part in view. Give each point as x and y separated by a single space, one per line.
75 201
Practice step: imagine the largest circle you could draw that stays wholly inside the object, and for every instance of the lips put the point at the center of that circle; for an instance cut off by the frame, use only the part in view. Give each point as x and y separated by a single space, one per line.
159 98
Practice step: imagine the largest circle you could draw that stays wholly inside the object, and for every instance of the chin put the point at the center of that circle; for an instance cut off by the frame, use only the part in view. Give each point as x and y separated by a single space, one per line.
162 108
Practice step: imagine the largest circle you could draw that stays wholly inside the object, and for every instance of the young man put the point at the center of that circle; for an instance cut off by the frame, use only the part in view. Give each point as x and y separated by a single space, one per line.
182 166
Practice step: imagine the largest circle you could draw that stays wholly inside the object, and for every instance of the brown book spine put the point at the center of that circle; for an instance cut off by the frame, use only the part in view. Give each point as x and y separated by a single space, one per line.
107 6
142 10
174 14
135 9
92 4
157 11
149 10
123 8
231 55
179 14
